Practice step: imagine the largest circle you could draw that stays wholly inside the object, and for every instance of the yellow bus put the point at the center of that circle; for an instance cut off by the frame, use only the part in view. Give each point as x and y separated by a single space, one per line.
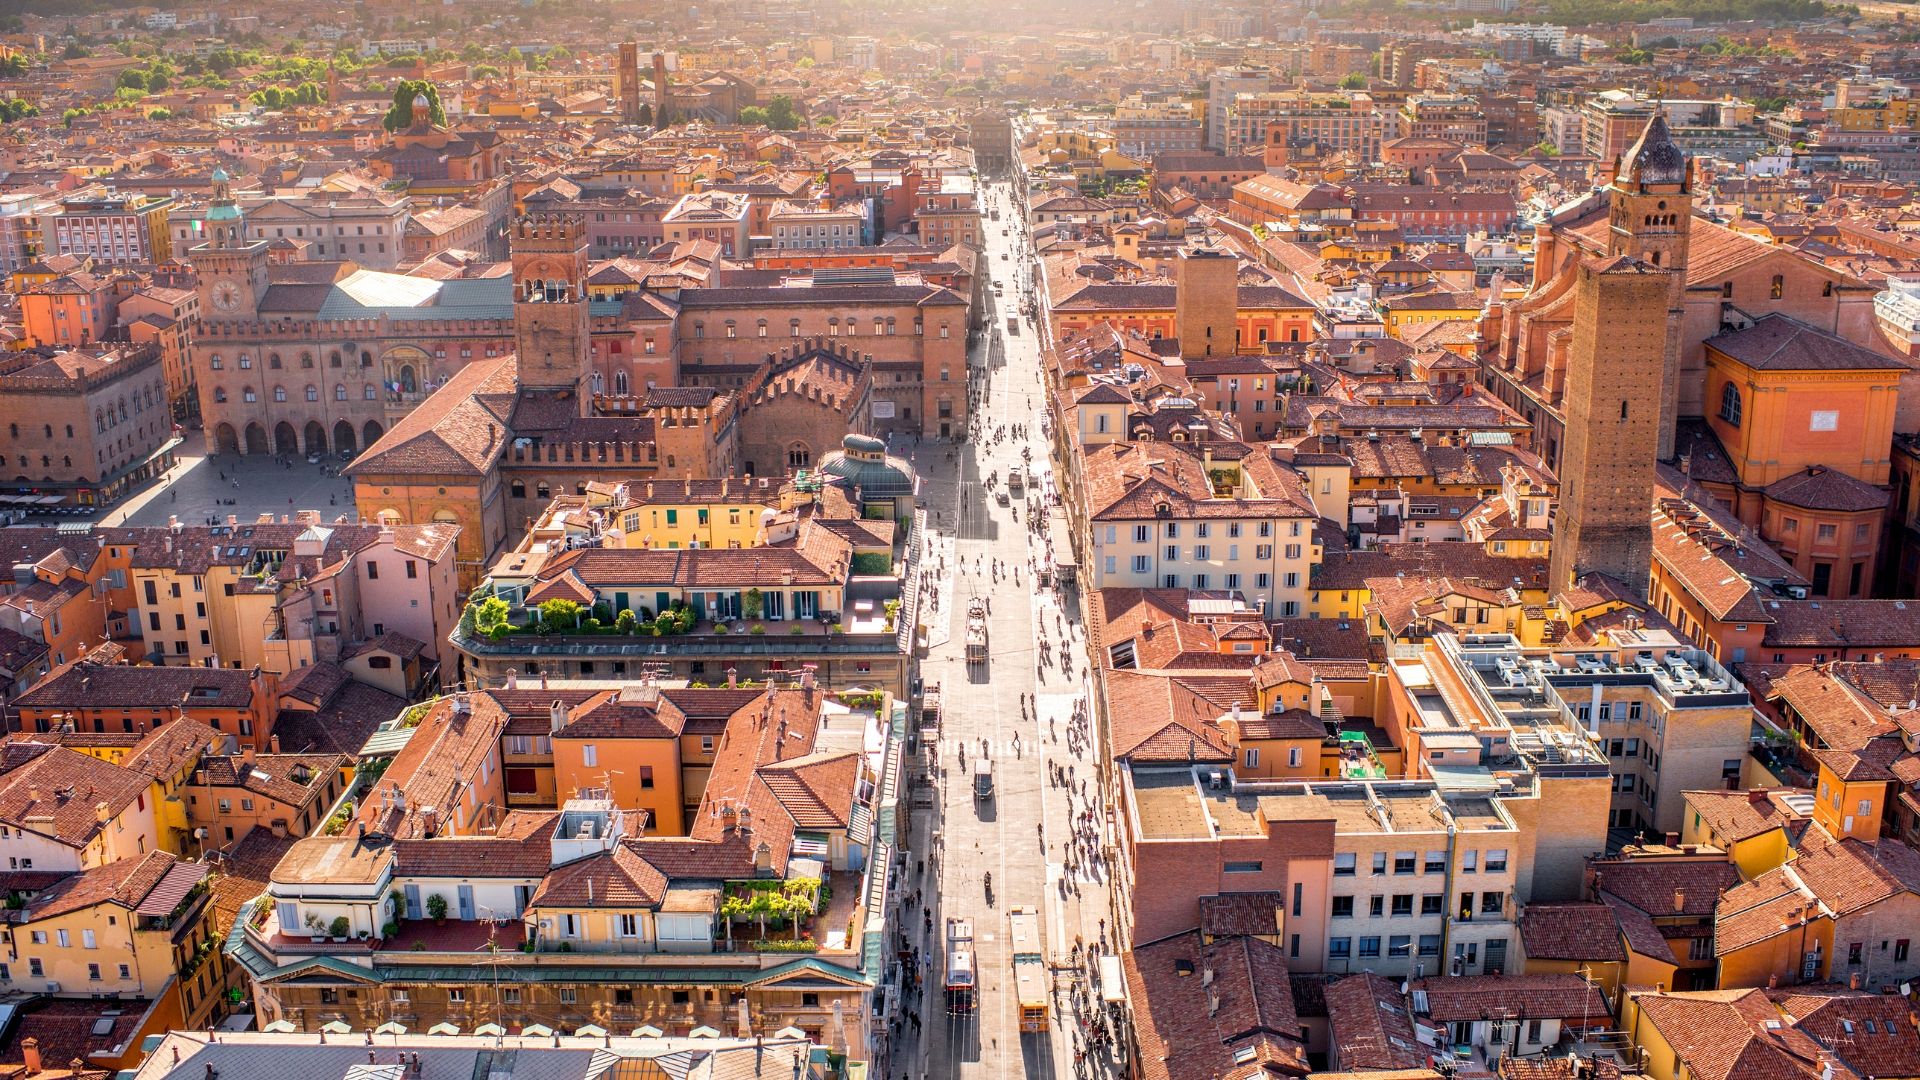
1029 969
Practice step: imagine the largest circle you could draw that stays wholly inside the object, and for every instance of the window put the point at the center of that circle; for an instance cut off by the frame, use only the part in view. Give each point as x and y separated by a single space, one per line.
1343 907
1402 905
1497 861
1432 904
1253 757
1343 864
589 755
1730 404
1376 906
1429 944
1379 862
1403 862
1493 903
1369 946
1250 867
1339 948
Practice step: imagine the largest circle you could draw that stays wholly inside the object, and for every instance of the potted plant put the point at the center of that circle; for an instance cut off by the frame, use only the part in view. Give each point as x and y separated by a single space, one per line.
315 927
340 927
437 909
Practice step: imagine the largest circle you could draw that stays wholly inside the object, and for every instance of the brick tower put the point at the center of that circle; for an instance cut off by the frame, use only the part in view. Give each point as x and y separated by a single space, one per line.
630 82
1613 408
550 328
1650 204
1206 303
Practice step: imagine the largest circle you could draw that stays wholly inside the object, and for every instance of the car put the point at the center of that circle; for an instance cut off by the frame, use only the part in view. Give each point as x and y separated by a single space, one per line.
346 455
1003 256
1001 496
316 458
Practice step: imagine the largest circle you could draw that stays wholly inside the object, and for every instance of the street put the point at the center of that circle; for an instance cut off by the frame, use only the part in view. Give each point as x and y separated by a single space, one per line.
1040 835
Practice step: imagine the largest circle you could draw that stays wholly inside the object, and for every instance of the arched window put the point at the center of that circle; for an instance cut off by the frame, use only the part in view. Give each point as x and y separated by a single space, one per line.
370 392
798 456
219 395
249 395
519 489
279 393
215 363
313 392
1779 286
246 362
273 361
333 360
306 360
620 383
339 391
542 491
1730 404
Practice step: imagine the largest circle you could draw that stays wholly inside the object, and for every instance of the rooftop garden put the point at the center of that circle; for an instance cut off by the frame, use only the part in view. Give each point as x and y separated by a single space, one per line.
774 906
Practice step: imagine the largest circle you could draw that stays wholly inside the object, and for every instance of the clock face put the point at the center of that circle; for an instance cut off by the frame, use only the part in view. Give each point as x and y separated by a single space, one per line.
226 296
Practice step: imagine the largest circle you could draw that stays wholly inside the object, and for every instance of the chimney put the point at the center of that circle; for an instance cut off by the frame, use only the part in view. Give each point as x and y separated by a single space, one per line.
273 744
1773 982
1757 795
557 717
513 680
1853 981
1673 839
246 760
30 1053
733 678
1679 900
103 811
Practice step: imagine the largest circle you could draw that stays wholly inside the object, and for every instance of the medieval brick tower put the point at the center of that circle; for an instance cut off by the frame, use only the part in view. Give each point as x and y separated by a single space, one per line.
1613 409
1649 208
1206 302
662 91
550 327
629 74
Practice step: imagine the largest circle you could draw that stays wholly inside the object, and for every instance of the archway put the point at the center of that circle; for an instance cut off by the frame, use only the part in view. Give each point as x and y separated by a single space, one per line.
284 439
256 438
343 436
408 381
225 439
370 434
316 437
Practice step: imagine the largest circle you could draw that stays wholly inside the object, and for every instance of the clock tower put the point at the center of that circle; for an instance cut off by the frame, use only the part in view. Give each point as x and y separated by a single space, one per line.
550 303
232 271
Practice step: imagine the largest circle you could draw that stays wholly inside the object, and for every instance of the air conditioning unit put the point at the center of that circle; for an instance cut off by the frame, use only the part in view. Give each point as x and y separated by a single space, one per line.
53 988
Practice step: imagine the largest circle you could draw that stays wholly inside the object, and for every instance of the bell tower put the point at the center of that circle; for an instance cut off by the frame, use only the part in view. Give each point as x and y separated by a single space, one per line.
550 327
1649 211
232 271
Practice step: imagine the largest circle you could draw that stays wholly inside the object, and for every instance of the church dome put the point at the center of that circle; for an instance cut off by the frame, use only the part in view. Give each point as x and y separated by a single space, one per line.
862 460
1656 158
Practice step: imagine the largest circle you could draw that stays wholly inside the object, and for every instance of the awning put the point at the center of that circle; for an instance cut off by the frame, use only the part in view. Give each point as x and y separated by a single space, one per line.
174 886
810 845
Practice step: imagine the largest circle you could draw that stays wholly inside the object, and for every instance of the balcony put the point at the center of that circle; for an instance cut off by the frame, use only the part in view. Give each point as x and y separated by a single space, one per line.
1357 758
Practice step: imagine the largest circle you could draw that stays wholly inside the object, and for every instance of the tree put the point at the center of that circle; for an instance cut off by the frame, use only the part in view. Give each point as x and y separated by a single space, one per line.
160 114
485 71
753 116
309 93
75 51
400 116
561 614
13 67
490 617
12 109
474 52
646 113
1355 81
780 114
131 79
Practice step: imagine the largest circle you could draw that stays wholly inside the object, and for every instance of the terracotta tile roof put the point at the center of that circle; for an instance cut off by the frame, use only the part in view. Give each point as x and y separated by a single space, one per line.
1857 624
277 776
1663 888
126 883
619 878
1723 1034
1156 719
1742 815
1241 914
1838 1020
1127 481
1188 1031
526 853
87 685
1839 716
1369 1025
1818 487
817 790
458 430
1571 931
57 793
1778 342
1525 997
1716 557
622 714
